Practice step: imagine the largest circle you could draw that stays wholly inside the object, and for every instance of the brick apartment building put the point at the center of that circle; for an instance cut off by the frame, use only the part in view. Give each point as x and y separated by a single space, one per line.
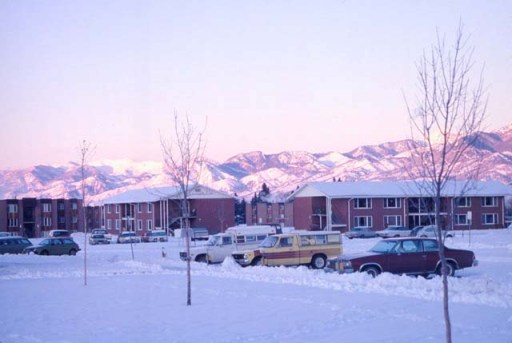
147 209
344 205
269 213
33 217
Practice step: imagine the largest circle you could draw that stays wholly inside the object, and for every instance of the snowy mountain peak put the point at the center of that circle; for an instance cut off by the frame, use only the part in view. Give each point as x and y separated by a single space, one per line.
245 173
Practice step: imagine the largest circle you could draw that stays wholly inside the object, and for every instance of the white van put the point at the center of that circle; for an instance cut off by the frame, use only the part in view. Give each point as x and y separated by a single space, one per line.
221 245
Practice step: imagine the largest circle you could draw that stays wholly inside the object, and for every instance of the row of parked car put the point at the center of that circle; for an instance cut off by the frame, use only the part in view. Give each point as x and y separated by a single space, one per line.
59 242
48 246
262 245
396 231
101 236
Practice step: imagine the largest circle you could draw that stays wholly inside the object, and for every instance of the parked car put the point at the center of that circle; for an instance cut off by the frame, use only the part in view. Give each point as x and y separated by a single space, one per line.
54 246
98 238
394 231
99 231
411 256
414 231
431 231
128 237
13 244
59 233
360 232
155 236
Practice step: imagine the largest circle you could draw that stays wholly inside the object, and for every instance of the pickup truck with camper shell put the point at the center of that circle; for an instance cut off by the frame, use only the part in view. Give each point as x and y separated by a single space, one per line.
221 245
311 248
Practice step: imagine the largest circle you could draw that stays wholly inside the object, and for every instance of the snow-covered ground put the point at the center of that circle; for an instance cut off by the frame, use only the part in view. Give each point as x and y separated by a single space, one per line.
43 299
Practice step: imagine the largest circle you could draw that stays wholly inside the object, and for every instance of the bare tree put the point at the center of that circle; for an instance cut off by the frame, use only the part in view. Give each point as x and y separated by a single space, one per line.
445 123
182 154
85 152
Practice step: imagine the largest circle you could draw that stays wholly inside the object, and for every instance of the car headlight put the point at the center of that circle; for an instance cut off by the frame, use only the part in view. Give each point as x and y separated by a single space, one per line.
345 264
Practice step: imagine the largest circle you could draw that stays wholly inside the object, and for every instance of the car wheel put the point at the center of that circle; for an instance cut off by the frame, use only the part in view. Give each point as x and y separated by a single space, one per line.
318 262
372 271
44 252
201 259
257 261
423 236
72 252
450 269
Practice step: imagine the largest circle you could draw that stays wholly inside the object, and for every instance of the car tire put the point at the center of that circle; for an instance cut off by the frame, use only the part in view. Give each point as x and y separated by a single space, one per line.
202 259
318 262
372 271
257 261
450 269
44 252
72 252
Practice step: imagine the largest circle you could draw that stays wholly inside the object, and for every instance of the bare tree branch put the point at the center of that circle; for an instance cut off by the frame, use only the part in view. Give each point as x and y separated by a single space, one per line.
183 157
450 111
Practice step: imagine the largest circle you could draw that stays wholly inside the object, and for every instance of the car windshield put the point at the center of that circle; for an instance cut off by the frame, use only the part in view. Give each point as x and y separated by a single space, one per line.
269 242
383 246
214 240
45 242
356 229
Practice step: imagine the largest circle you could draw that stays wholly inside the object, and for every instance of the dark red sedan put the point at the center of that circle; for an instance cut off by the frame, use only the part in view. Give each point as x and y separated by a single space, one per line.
408 255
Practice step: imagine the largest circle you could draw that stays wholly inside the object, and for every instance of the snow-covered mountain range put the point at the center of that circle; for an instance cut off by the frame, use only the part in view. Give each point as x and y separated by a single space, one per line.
244 174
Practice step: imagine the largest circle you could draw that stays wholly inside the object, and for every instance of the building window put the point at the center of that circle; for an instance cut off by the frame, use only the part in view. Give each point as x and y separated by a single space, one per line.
149 224
139 207
150 207
47 207
489 202
74 206
139 224
12 222
47 221
75 219
12 208
109 223
363 203
118 224
392 203
62 220
393 220
363 221
489 219
463 202
109 209
61 206
460 219
118 208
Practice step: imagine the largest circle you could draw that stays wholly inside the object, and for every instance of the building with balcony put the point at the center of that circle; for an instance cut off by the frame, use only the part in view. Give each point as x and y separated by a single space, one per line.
32 217
344 205
142 210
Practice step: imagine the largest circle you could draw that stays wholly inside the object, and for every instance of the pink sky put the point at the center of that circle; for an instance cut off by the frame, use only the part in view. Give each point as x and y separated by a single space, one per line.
269 76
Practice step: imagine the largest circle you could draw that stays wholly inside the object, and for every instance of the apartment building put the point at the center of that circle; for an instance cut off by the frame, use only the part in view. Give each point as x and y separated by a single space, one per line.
344 205
32 217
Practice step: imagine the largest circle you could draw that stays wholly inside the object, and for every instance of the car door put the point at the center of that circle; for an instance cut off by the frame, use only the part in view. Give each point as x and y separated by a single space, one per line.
283 253
219 252
431 253
407 257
